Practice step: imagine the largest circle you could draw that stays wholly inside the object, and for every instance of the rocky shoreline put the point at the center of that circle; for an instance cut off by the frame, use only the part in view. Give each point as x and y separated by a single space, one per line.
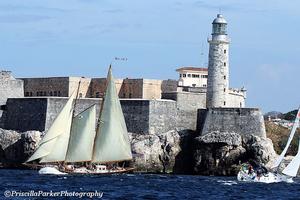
178 152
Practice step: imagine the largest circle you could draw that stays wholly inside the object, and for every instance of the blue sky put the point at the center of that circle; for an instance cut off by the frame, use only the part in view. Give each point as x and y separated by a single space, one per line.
80 38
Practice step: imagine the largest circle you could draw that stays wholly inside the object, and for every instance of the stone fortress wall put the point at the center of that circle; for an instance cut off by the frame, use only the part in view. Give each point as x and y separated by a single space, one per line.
94 87
9 87
141 116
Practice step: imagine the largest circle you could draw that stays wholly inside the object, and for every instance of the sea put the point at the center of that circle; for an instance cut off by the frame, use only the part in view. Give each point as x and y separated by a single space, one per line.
28 184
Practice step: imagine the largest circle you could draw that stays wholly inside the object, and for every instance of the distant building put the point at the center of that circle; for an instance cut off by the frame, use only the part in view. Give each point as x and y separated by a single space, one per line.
95 87
192 77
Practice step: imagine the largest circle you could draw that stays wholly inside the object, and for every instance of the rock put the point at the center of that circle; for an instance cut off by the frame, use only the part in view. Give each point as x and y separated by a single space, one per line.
155 153
260 150
16 147
221 153
218 153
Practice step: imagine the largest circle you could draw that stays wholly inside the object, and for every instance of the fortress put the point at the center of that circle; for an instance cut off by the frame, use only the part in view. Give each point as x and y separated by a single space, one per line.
149 106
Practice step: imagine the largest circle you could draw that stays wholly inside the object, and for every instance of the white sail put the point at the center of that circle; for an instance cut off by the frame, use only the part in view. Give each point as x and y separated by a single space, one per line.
296 124
82 136
111 142
53 146
292 168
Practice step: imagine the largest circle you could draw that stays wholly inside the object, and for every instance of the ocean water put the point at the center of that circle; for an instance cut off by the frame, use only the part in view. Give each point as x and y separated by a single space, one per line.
28 184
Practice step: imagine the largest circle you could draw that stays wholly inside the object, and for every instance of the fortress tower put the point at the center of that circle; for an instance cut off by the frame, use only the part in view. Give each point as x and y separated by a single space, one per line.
218 65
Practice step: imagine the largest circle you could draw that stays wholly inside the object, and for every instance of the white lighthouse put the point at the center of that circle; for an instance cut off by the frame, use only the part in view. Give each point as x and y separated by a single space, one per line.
218 65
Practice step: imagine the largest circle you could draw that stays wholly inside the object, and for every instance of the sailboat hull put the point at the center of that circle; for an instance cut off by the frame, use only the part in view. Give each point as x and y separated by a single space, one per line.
83 170
269 177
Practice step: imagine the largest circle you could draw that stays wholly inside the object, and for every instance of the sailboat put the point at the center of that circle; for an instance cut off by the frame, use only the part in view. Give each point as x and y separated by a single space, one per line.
287 174
77 144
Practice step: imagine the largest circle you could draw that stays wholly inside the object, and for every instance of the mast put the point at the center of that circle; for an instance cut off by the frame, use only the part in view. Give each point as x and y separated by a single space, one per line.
111 142
101 109
73 115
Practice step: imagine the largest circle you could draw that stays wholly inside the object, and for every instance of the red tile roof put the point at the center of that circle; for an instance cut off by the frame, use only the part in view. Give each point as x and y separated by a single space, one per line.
192 69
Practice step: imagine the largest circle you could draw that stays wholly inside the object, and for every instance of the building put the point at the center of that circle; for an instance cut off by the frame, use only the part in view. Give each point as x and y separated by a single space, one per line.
95 87
218 92
192 77
9 87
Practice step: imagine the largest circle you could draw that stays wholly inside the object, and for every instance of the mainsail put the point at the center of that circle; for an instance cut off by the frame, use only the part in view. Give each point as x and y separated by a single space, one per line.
111 142
82 136
53 146
296 124
292 168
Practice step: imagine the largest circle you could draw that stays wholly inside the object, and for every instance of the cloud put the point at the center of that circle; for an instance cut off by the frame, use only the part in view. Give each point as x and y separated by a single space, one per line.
22 18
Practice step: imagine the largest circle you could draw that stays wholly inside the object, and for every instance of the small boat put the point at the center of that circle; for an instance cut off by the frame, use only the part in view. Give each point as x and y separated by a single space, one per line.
247 174
80 145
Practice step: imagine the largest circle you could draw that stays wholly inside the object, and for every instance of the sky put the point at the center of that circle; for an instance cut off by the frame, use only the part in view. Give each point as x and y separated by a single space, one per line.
42 38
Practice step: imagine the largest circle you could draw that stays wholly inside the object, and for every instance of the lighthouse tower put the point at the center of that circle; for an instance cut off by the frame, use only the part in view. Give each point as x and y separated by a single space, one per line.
218 65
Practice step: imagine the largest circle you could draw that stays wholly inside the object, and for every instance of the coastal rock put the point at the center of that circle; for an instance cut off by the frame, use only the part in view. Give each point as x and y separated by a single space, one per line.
218 153
155 153
222 153
16 147
261 150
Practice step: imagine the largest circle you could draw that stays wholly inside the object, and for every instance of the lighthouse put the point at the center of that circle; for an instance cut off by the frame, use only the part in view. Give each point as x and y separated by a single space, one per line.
218 65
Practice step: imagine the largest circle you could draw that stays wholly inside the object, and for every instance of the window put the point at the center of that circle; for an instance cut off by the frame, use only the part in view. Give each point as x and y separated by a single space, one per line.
195 75
180 75
31 94
80 95
55 93
45 93
183 75
224 89
37 93
224 103
130 95
194 85
51 93
97 94
204 85
124 95
189 75
224 77
26 94
224 63
224 51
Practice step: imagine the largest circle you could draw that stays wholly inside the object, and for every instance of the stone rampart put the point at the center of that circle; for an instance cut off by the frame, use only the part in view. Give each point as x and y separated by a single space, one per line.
244 121
141 116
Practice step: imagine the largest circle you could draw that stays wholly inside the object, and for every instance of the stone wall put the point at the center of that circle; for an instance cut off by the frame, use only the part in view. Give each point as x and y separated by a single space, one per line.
141 116
52 86
9 88
84 88
243 121
187 100
24 114
236 99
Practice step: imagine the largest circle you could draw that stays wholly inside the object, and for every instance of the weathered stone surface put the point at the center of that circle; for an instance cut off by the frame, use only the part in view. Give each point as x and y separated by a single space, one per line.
260 149
221 153
243 121
231 139
155 153
16 147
